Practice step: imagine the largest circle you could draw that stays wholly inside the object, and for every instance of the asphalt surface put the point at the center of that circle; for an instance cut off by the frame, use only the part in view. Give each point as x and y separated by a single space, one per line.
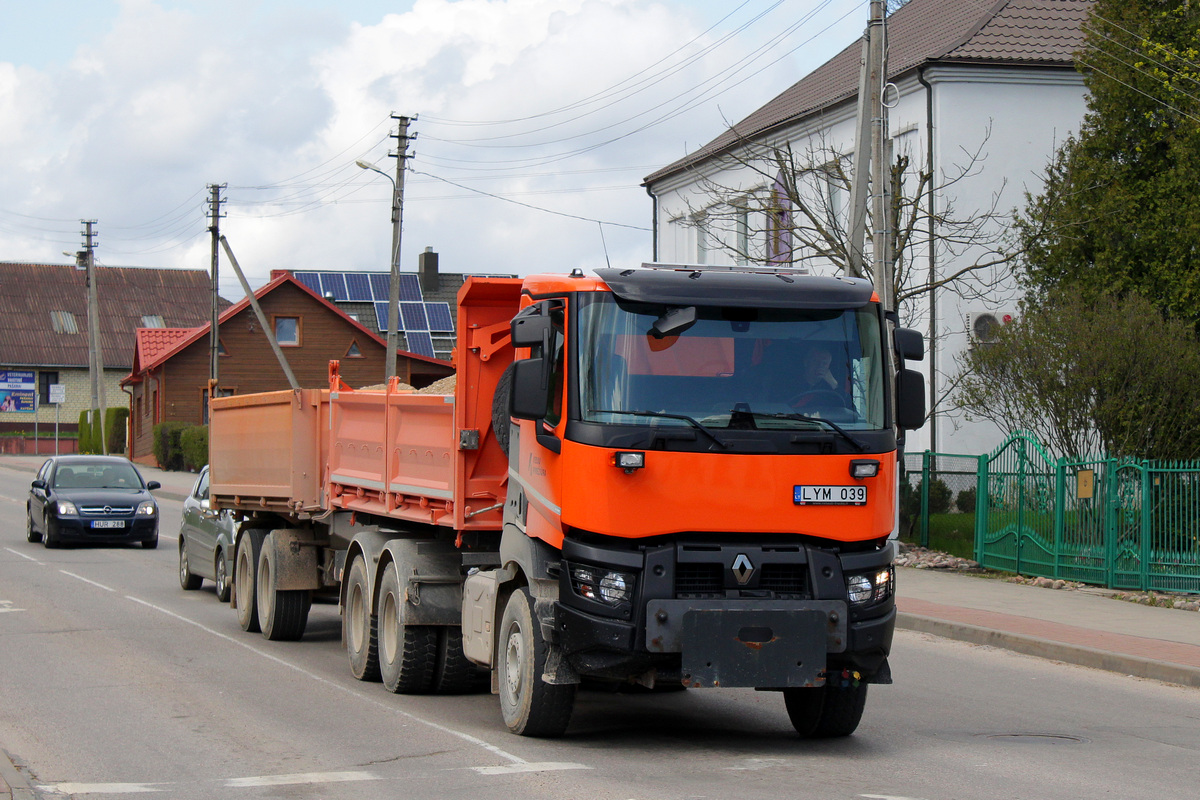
1085 627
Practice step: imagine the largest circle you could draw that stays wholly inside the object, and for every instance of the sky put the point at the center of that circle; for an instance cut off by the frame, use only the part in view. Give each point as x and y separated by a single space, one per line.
536 123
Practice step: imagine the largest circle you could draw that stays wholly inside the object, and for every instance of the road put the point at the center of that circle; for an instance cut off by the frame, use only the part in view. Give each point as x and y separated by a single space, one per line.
116 683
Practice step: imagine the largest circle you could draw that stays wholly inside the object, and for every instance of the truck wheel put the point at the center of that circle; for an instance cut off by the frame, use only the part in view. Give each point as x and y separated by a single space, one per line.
282 613
222 579
187 580
454 673
530 706
407 653
826 712
245 571
502 407
359 624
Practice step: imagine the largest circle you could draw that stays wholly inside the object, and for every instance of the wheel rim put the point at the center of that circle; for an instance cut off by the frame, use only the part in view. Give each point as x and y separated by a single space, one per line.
357 619
245 578
266 595
183 565
389 636
220 571
514 653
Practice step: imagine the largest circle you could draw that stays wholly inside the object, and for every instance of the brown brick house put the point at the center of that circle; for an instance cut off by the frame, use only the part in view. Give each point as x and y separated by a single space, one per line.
169 379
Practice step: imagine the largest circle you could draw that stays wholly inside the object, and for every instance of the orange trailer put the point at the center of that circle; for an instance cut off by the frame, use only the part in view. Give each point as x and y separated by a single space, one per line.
662 475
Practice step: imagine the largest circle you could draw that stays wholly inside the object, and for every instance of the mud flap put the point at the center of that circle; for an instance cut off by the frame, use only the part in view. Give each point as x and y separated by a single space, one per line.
775 649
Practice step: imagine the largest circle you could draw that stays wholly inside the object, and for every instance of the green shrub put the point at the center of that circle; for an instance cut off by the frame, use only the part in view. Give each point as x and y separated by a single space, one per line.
84 433
939 496
116 421
194 441
167 449
965 502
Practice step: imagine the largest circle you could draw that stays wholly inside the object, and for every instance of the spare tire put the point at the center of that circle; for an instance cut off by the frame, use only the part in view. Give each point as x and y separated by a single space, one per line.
502 407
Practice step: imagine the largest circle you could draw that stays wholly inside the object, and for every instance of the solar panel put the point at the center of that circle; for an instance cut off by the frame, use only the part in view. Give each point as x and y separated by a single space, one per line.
358 287
381 312
309 279
333 284
420 342
440 319
410 288
412 316
379 286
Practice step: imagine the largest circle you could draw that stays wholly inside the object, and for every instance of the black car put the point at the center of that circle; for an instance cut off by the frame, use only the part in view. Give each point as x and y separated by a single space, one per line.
100 499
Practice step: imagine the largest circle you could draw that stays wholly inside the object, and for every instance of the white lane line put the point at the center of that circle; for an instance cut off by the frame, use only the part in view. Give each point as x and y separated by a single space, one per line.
22 555
6 605
528 766
466 737
301 778
103 788
85 580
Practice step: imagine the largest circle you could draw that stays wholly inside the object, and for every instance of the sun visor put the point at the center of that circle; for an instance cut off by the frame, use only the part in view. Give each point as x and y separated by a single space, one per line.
708 286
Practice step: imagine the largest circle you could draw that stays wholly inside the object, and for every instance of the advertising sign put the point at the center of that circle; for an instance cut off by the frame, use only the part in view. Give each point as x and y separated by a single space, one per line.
18 391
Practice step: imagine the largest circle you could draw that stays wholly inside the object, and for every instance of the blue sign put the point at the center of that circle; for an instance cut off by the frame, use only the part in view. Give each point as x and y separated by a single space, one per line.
18 391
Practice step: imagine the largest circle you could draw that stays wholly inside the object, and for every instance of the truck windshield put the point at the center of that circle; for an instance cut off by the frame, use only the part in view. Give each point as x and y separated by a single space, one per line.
729 368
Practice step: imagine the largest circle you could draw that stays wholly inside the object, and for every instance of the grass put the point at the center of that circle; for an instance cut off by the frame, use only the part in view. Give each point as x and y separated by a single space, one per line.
949 533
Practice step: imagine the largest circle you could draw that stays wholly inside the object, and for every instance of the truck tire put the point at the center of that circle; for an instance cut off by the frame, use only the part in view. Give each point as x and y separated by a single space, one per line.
530 706
826 712
407 653
359 623
245 573
454 673
282 613
187 580
502 407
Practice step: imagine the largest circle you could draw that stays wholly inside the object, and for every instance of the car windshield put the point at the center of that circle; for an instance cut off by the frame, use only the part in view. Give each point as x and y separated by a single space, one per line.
729 368
97 476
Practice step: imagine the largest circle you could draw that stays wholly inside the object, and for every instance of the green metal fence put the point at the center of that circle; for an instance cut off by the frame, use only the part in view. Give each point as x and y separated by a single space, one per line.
1121 523
937 488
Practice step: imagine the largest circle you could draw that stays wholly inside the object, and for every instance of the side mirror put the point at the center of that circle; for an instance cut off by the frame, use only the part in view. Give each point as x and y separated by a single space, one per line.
910 344
39 484
530 389
910 399
152 485
206 504
530 329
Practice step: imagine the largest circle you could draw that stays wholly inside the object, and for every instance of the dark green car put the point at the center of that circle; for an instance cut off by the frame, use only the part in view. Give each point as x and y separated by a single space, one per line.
205 542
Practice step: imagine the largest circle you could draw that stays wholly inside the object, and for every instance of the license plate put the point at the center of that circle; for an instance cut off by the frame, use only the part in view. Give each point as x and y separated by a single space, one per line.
108 523
829 495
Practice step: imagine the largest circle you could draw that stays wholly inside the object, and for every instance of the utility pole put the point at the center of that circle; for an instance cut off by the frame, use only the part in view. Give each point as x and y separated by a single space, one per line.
95 351
214 227
401 156
870 162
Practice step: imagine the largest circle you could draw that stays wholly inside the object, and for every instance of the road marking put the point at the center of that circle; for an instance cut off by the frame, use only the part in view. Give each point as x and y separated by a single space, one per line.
6 605
466 737
529 766
103 788
887 797
22 555
85 580
301 778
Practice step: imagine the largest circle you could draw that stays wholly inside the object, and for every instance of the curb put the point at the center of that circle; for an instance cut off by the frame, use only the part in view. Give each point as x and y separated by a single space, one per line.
1055 651
12 782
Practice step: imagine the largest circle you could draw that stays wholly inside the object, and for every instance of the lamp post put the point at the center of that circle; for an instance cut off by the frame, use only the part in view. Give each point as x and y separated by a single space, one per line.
394 280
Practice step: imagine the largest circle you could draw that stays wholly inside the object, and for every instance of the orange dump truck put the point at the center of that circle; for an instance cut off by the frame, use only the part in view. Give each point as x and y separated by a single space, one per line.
664 475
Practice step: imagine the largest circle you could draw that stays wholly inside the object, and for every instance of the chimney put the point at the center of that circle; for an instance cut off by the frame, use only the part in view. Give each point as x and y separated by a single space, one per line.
427 269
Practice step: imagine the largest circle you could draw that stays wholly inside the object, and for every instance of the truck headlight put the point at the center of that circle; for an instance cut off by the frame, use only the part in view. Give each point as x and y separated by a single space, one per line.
67 509
869 588
147 509
607 586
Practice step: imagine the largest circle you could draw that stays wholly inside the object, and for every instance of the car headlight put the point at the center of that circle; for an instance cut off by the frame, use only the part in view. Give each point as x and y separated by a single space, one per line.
147 509
867 588
67 509
606 586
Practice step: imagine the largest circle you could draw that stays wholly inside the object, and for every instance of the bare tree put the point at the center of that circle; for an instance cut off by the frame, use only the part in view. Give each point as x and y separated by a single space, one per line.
788 206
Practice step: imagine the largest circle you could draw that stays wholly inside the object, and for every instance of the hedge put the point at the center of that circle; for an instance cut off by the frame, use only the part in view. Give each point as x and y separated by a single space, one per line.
194 441
116 421
168 450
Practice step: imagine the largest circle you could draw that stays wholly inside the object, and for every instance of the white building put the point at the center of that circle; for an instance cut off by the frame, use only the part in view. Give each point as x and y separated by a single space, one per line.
980 94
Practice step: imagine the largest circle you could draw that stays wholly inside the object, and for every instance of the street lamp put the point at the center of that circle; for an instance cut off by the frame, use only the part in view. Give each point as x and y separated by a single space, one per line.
394 282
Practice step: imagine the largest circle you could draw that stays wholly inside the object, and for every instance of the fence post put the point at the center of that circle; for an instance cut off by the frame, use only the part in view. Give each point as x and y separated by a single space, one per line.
1110 522
1060 513
1144 529
925 472
981 507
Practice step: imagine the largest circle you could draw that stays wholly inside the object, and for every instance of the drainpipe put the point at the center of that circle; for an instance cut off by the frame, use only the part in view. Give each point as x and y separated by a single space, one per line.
933 332
653 223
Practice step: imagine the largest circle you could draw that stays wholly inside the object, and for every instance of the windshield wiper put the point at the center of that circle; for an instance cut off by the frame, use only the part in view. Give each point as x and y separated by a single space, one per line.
690 420
862 448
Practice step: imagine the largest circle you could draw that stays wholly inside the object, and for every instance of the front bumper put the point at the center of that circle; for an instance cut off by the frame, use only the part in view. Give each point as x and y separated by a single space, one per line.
82 529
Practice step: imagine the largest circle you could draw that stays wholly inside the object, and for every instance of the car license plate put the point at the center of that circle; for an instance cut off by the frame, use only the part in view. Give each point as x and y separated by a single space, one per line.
108 523
829 495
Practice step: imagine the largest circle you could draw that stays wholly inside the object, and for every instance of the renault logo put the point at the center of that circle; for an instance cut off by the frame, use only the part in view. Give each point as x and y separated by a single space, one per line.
742 569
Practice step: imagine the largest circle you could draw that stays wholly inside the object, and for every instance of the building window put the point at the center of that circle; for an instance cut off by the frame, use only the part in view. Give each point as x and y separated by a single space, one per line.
743 235
287 331
354 352
63 322
44 380
153 321
221 347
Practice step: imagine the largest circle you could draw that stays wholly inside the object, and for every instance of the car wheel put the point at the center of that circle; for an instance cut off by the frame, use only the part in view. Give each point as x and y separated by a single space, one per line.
187 580
222 579
50 538
150 544
30 534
